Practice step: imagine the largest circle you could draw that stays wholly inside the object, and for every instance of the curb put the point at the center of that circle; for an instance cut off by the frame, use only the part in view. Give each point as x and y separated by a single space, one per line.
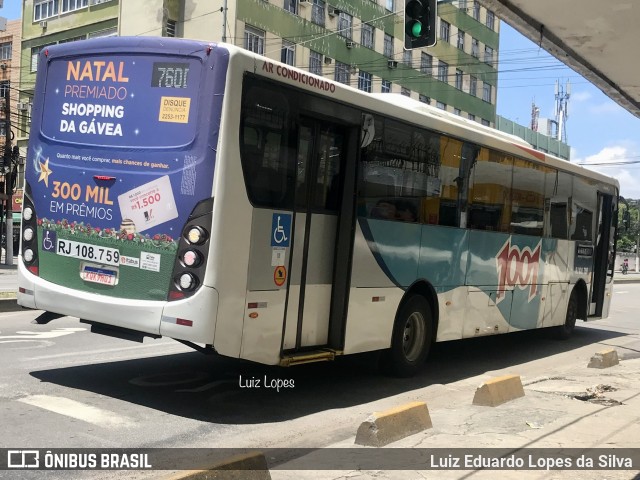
8 304
498 390
604 359
250 466
385 427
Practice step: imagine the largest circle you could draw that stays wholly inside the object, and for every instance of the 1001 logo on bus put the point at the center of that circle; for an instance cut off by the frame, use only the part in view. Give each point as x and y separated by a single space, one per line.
518 268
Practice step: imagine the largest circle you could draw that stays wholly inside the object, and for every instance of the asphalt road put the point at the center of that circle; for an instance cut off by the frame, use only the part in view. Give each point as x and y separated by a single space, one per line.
61 386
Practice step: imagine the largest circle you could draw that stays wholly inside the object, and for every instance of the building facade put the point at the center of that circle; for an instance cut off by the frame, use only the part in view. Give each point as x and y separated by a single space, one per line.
49 22
10 67
539 141
356 43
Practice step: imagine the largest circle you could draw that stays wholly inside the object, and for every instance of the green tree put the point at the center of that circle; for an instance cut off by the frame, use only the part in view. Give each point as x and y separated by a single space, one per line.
628 237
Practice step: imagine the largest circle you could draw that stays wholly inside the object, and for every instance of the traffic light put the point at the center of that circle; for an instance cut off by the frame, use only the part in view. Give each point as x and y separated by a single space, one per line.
419 23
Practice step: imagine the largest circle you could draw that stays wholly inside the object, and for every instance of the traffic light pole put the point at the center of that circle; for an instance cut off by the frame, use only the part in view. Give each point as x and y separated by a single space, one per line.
8 180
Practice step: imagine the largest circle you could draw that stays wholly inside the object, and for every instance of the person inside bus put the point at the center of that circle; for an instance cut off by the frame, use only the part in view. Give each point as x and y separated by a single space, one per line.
384 210
406 211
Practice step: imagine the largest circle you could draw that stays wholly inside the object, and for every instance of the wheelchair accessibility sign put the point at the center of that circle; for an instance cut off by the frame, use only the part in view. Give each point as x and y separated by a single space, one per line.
280 229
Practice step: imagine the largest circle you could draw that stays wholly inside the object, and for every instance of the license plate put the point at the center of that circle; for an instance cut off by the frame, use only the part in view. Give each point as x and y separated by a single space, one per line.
86 251
98 274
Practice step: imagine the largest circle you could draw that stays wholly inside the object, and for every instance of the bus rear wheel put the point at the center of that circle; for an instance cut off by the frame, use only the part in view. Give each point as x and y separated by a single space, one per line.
563 332
411 338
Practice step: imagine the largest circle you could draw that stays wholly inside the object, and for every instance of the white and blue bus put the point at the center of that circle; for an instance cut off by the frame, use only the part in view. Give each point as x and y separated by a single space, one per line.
245 207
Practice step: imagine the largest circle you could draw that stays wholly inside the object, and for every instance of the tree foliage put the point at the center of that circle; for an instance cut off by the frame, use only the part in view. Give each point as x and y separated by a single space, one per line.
628 237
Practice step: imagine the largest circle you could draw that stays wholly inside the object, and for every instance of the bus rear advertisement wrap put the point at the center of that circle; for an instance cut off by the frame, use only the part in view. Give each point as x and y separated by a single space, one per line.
113 172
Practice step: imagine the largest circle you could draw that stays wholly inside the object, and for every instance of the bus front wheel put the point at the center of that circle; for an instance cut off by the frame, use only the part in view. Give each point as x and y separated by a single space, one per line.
411 338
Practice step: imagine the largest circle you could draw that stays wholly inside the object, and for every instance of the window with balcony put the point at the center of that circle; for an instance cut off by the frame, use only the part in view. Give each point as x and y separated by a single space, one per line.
291 6
364 81
315 63
473 85
288 53
254 39
426 63
443 71
44 9
475 48
488 55
486 92
491 19
445 28
345 23
71 5
388 46
366 35
476 10
342 73
458 79
461 35
406 57
5 51
317 12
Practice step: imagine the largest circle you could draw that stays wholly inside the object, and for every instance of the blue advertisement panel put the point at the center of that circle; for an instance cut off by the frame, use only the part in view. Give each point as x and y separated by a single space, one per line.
118 165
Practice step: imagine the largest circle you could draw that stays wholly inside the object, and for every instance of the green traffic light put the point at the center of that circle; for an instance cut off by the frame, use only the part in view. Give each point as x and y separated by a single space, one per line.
416 29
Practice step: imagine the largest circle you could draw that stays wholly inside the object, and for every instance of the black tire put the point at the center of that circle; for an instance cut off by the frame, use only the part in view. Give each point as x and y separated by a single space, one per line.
563 332
411 338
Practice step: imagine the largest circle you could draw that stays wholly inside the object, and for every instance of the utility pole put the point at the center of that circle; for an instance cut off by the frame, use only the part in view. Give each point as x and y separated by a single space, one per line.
8 179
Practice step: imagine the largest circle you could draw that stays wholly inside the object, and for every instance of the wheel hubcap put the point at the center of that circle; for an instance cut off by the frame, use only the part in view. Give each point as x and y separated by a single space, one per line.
413 336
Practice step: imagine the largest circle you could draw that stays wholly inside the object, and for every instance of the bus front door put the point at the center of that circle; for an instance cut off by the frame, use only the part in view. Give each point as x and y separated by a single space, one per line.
602 284
321 153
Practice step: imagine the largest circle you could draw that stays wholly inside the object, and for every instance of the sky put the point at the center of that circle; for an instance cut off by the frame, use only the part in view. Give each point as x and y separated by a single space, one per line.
599 131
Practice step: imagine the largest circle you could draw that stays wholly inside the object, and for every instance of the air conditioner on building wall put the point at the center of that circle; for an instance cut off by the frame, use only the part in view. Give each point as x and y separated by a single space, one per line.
304 3
350 44
22 106
333 11
43 24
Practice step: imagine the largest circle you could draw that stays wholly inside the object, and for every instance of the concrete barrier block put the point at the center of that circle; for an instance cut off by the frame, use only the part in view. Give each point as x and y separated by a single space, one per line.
498 390
604 359
250 466
385 427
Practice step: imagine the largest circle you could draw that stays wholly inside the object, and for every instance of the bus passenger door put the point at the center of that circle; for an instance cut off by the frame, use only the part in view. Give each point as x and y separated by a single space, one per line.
321 157
602 283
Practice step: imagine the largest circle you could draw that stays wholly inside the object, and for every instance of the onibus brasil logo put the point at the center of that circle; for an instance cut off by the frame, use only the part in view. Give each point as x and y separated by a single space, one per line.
518 268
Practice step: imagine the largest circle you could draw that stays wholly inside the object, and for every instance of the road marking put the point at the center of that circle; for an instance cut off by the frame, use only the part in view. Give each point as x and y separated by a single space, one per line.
80 411
57 332
90 353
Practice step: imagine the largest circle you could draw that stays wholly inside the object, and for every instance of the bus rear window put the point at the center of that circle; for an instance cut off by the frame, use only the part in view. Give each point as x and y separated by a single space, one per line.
125 101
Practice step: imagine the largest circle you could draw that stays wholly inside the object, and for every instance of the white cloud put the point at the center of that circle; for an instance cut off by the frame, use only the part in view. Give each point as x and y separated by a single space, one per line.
605 108
627 175
582 96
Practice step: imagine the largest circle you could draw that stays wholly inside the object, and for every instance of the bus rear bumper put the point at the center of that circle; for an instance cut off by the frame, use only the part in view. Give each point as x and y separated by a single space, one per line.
154 317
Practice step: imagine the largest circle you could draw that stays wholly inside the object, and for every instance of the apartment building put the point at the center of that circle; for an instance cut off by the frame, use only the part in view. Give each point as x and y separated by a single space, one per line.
48 22
356 43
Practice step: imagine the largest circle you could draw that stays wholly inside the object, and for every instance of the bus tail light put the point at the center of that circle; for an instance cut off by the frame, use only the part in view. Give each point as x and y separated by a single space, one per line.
29 233
193 248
